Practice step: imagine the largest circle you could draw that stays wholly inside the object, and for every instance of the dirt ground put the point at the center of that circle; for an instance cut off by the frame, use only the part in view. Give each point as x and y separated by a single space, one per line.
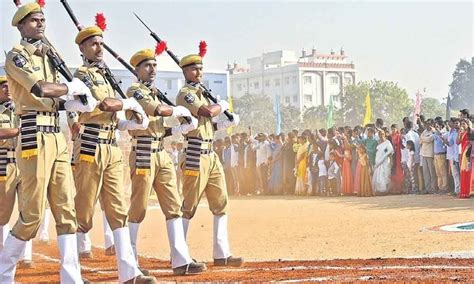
389 238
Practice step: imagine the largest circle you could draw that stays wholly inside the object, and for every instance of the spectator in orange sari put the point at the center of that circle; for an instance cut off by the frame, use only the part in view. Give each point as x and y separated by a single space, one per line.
465 158
397 171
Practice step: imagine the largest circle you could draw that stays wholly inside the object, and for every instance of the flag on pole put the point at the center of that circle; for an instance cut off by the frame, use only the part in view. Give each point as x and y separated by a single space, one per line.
277 111
417 110
329 119
368 110
448 107
231 109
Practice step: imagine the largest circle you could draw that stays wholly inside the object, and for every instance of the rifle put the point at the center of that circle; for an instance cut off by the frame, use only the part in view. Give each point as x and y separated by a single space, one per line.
60 66
206 91
160 95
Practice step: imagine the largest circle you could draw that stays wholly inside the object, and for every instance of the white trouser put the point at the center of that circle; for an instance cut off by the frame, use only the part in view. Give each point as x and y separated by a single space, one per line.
11 253
221 240
83 242
179 249
70 268
4 232
126 262
43 229
108 236
133 229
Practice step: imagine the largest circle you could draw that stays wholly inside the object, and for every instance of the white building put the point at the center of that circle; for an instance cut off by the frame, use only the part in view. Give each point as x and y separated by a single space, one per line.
303 82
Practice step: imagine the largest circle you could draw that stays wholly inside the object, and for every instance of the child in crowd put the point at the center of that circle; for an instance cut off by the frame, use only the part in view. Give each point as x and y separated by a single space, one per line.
411 167
323 174
333 175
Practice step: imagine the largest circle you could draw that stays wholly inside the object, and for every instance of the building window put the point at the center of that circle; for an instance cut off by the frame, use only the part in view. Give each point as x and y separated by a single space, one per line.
334 80
277 82
169 84
287 80
294 80
256 85
239 87
308 98
295 98
217 82
267 83
307 80
348 81
287 100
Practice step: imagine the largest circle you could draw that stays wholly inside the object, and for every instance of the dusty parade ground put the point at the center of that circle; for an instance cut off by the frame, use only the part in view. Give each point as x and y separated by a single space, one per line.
387 238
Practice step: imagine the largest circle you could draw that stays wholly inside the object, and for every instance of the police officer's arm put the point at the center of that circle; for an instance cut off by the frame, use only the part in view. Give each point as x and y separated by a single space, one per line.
7 133
21 69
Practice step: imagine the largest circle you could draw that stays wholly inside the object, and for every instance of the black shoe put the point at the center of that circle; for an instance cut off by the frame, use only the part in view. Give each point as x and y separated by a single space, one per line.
144 271
230 261
141 279
190 268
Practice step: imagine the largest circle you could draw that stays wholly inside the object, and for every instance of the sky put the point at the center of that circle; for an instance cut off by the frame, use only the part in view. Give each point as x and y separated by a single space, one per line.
414 43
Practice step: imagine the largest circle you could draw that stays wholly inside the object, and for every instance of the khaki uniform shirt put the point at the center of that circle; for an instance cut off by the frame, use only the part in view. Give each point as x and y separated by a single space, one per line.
25 66
7 121
192 98
149 101
100 89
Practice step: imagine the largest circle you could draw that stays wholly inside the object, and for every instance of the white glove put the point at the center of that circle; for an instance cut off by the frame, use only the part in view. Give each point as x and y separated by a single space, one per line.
224 105
124 124
132 104
185 128
179 111
77 105
227 123
77 87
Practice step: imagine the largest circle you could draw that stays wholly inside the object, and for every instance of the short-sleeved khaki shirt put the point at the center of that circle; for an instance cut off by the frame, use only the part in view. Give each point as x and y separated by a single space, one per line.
192 98
149 101
100 89
25 66
8 120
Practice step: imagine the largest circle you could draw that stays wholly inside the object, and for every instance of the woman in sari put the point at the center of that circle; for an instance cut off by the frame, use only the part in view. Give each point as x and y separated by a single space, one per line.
275 184
397 170
347 188
465 159
382 167
301 161
365 184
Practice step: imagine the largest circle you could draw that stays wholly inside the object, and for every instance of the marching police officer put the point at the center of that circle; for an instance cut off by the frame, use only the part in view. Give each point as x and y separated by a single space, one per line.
99 169
42 156
152 167
10 183
202 170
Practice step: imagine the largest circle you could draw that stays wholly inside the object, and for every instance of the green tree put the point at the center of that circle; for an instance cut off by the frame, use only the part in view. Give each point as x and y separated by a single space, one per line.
431 108
256 112
388 101
315 117
462 86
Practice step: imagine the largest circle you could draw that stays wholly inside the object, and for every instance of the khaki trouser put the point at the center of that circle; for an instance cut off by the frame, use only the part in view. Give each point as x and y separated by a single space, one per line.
47 176
8 190
103 177
211 180
441 171
162 178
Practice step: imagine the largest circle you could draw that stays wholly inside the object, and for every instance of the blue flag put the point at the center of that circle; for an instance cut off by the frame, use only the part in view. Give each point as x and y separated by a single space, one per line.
276 110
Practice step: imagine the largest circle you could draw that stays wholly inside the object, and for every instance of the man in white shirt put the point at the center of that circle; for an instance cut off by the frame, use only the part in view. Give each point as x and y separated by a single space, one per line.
264 152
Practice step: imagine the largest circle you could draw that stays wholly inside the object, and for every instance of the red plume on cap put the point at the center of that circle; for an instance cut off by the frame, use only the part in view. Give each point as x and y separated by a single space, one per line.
17 3
100 21
160 47
202 48
41 3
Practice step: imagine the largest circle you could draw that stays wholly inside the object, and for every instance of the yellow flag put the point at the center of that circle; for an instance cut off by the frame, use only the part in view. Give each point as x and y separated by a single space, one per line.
368 110
231 109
